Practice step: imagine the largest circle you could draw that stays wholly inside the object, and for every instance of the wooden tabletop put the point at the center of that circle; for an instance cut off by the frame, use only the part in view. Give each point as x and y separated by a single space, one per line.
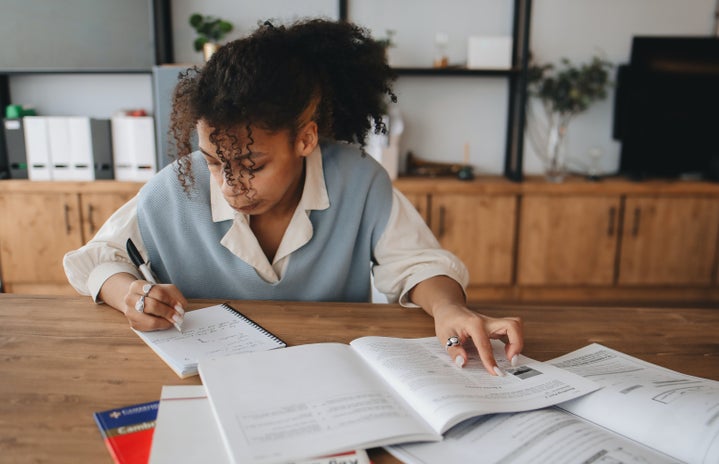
63 358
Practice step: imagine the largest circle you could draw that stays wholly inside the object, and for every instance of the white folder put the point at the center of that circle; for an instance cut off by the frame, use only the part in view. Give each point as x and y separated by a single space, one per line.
133 146
37 148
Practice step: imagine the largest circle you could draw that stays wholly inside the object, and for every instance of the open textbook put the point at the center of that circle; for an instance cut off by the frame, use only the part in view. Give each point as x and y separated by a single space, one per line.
646 414
311 400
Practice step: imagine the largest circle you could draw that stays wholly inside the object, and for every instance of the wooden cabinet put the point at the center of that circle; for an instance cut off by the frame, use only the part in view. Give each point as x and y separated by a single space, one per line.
568 240
479 229
669 240
611 241
41 221
475 221
618 240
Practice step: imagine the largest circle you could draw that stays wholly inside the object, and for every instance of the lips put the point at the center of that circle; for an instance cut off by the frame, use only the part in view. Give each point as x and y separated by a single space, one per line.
247 209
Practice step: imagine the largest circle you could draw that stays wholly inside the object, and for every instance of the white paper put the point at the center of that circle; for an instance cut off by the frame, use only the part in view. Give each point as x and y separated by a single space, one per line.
674 413
548 435
186 432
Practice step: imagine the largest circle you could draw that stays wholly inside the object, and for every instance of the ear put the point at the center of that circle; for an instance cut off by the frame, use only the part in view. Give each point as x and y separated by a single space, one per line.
307 139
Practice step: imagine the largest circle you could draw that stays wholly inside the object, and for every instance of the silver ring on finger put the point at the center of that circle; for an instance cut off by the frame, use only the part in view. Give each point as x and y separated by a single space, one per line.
147 288
140 304
452 341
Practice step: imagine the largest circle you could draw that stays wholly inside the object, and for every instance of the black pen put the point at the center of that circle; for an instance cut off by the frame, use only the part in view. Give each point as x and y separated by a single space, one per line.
137 260
144 268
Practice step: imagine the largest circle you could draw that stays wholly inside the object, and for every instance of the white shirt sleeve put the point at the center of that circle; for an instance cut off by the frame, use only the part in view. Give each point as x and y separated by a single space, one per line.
88 268
408 253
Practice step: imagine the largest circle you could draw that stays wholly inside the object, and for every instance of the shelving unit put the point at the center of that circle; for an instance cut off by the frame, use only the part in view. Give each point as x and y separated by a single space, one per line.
163 53
516 75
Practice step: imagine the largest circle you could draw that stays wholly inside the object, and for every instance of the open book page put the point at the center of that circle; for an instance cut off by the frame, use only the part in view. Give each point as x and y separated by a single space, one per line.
303 401
186 432
546 435
209 332
674 413
444 394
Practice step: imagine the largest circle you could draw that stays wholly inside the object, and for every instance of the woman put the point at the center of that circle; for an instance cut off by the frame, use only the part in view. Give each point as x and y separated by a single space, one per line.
279 202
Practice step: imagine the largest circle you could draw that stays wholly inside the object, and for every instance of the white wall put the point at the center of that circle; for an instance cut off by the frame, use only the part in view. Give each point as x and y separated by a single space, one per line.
95 95
441 114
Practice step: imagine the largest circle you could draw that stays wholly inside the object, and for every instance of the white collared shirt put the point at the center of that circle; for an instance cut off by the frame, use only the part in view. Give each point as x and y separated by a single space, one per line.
406 254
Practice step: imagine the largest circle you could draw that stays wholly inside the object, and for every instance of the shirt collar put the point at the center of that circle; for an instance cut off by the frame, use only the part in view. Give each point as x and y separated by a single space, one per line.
314 192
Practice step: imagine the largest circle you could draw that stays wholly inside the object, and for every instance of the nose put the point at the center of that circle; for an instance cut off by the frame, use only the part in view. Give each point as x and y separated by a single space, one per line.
232 187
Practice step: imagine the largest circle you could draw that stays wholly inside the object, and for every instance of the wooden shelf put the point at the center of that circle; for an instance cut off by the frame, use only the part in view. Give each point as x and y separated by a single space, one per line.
454 71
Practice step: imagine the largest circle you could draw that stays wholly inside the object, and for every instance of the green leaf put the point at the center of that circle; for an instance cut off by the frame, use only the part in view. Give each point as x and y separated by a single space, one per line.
196 20
199 43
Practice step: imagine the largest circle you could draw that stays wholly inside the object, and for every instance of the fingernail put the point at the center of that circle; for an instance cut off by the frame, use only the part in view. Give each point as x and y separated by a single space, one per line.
499 371
177 318
459 361
180 309
514 361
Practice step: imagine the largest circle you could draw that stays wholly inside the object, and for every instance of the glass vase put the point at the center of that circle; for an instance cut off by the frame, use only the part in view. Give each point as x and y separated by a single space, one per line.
555 156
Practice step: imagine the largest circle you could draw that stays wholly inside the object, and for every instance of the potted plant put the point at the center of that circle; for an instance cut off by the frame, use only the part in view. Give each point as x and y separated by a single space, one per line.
210 31
564 91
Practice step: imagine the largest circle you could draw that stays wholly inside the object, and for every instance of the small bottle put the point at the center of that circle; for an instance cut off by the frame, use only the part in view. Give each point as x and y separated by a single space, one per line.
441 40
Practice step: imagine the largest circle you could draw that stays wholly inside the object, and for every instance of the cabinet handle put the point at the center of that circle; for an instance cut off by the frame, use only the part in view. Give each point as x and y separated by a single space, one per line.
637 217
612 221
91 223
68 229
441 222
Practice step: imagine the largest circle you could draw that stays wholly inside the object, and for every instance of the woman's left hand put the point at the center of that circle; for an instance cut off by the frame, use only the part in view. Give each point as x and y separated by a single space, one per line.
445 300
454 320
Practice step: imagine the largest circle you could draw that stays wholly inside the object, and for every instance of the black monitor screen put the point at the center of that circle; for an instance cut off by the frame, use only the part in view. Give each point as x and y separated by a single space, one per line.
667 107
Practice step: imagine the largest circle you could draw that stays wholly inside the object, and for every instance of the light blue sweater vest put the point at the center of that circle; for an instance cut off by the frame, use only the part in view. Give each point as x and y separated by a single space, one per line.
184 244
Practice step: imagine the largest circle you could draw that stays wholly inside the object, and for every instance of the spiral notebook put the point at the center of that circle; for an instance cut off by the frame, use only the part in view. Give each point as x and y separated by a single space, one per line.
210 332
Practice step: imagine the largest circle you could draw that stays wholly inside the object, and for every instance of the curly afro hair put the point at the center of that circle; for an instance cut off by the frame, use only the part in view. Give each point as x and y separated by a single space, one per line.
332 72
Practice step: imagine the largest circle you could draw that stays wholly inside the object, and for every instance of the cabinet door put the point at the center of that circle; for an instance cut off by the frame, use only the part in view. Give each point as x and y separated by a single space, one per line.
669 240
36 230
97 208
479 229
568 240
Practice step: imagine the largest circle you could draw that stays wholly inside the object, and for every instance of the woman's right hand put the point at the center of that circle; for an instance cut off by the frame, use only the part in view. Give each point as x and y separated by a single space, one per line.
163 305
154 306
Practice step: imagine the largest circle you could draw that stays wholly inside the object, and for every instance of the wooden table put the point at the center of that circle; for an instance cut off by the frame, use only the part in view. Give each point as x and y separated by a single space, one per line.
63 358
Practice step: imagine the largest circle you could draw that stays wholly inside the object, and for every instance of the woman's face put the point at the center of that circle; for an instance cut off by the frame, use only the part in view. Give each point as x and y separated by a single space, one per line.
266 179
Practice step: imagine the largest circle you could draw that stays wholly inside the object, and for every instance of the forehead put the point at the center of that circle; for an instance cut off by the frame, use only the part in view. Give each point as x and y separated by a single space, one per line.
239 136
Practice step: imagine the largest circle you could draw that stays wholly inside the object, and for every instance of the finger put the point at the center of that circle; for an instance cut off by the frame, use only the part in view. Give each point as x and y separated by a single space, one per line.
141 320
484 348
458 355
512 335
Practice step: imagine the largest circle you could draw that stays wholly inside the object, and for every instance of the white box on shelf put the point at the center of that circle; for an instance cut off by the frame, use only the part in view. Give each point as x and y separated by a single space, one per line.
489 52
133 146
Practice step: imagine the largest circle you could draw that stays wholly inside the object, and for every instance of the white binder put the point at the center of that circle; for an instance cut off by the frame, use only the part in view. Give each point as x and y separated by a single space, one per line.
133 146
37 148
